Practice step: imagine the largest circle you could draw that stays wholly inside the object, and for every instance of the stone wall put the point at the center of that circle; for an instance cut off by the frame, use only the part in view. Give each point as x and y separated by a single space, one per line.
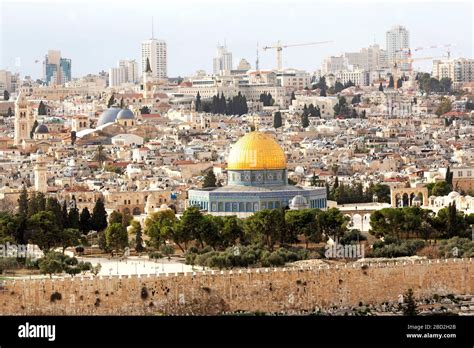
265 290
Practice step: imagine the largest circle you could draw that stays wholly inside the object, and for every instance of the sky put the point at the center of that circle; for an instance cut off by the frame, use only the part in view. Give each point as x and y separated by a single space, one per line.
95 34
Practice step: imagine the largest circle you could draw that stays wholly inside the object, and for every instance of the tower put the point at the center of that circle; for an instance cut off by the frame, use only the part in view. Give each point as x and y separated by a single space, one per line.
24 119
148 81
41 180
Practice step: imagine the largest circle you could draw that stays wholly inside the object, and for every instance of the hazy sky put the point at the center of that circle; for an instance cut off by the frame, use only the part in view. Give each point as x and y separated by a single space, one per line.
95 34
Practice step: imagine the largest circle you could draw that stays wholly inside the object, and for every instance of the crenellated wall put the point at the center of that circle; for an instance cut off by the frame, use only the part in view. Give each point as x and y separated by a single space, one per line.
264 290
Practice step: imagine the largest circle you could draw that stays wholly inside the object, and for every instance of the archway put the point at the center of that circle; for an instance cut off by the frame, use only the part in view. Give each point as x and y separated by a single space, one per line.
136 211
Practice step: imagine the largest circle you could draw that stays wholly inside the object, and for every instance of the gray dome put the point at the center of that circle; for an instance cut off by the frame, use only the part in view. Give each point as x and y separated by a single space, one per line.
41 129
109 115
125 114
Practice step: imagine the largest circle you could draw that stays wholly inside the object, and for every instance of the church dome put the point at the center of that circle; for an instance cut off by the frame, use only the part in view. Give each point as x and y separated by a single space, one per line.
41 129
125 114
256 151
109 115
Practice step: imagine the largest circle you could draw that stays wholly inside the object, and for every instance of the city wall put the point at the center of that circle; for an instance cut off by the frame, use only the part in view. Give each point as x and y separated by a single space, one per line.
214 292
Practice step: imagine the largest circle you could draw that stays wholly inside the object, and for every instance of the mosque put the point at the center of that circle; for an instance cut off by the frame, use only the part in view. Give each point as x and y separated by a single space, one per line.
257 180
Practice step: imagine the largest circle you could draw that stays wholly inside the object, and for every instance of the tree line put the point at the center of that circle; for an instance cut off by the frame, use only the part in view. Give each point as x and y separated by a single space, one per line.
49 223
237 105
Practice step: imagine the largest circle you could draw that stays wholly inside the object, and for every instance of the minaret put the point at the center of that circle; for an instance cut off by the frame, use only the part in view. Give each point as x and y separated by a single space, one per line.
24 119
41 180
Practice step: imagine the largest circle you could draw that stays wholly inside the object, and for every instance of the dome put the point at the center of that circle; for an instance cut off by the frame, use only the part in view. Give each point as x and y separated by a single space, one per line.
125 114
109 115
256 151
41 129
298 202
453 194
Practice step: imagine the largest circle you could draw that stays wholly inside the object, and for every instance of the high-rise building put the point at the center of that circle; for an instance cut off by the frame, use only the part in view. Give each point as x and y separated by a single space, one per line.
131 70
117 76
334 64
125 72
459 70
223 61
156 52
65 70
398 42
368 58
56 70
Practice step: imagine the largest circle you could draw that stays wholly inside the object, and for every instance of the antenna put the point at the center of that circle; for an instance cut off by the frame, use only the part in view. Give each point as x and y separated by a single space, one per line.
256 62
152 29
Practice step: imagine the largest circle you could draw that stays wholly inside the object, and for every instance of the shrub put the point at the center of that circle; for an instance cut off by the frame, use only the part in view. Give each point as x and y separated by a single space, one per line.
155 255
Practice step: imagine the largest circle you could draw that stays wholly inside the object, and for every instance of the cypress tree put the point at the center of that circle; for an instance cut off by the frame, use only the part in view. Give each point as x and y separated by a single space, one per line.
23 202
99 216
209 179
85 221
65 215
277 120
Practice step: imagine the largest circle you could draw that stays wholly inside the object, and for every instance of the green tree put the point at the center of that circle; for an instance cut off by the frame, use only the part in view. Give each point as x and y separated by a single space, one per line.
332 223
99 216
69 237
136 229
32 130
111 101
198 104
192 221
43 230
323 93
380 87
100 155
73 218
277 122
85 221
304 120
444 106
53 205
115 217
266 227
42 109
409 305
6 95
231 230
338 87
73 137
441 188
9 225
305 223
449 177
210 179
116 237
23 202
145 110
51 263
391 83
160 226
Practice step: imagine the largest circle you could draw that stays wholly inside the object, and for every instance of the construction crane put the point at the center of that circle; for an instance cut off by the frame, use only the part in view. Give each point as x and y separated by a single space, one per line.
279 48
409 51
405 60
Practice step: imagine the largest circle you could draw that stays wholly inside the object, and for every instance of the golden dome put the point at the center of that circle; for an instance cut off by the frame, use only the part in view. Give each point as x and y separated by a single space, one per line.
256 151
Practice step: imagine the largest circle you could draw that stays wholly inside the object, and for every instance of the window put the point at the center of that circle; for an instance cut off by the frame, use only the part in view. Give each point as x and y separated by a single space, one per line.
459 173
469 173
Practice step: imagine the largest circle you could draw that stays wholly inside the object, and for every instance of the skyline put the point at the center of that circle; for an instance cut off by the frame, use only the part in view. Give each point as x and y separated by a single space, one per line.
109 34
